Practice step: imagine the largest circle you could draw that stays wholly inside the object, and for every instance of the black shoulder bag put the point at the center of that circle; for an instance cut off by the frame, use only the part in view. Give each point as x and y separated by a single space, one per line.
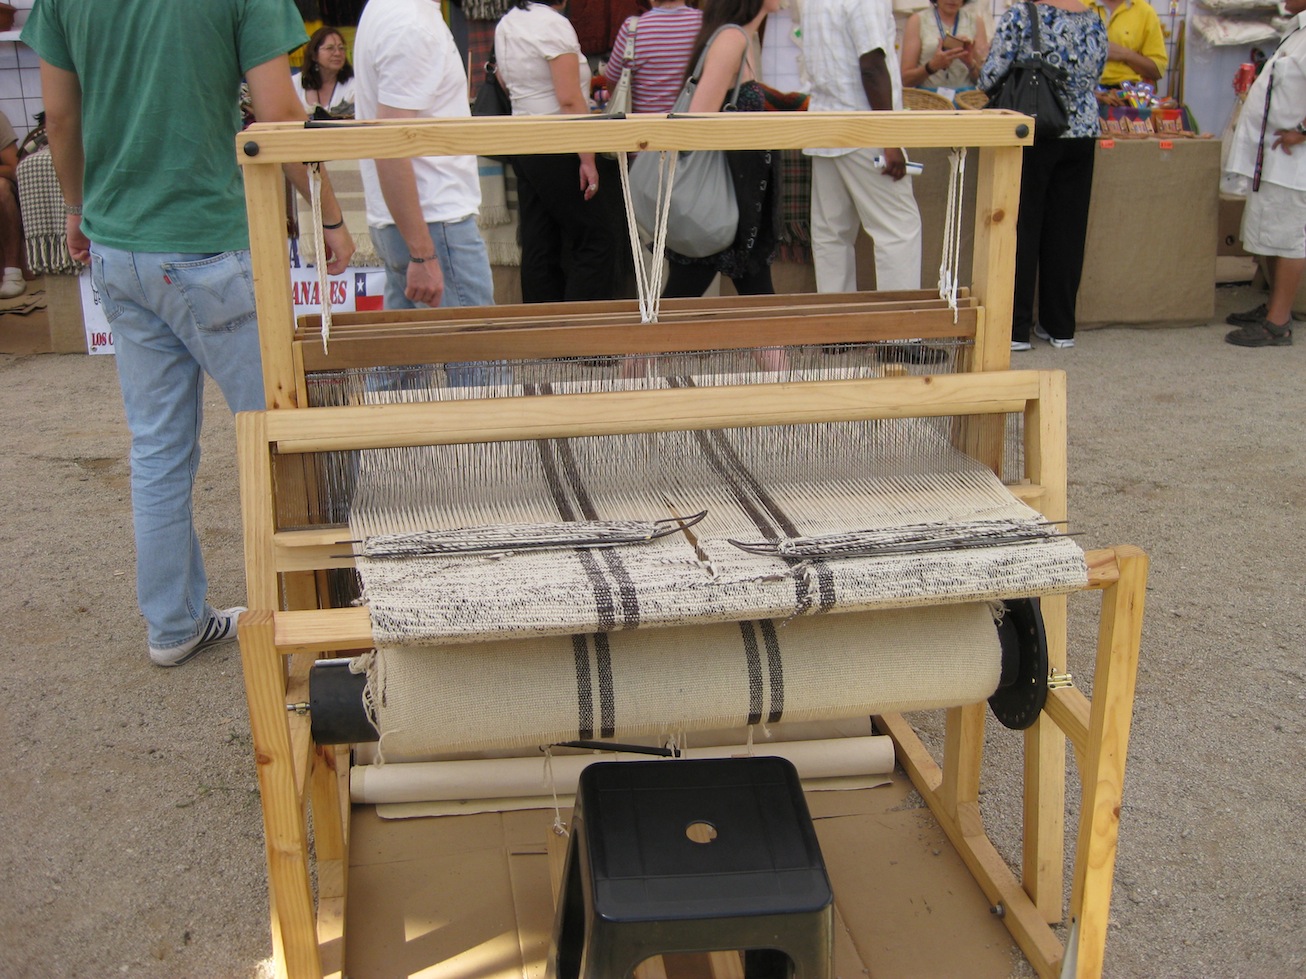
1034 87
491 100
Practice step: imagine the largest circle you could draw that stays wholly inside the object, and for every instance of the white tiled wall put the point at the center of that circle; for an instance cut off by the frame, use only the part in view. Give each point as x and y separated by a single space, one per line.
20 77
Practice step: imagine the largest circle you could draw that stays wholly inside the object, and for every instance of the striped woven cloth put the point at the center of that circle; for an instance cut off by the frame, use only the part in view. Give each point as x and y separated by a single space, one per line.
756 487
667 682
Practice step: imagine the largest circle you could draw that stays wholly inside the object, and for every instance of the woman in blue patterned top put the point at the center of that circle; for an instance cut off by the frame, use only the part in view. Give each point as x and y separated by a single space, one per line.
1057 175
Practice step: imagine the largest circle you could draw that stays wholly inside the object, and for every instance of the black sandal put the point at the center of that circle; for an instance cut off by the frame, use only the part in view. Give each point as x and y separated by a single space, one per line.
1260 334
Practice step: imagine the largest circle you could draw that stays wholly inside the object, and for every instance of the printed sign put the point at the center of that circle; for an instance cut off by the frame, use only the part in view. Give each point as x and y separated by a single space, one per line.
354 289
99 335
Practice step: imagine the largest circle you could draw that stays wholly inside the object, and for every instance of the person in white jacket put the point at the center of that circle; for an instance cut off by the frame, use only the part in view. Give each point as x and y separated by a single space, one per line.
1268 149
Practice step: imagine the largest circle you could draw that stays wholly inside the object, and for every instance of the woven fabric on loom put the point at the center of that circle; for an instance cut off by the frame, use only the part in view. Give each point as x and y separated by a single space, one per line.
755 485
667 681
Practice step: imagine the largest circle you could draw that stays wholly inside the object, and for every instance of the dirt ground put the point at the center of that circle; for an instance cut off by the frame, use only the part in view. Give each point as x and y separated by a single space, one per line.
132 838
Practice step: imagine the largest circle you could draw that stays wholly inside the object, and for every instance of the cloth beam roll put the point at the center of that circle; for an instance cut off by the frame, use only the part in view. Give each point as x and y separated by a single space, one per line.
666 681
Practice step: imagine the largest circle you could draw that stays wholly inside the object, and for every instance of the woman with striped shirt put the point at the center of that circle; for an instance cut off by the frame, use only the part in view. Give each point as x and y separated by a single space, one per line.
663 39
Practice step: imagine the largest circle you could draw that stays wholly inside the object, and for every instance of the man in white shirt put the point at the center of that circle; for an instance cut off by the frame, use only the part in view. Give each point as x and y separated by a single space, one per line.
848 46
1267 148
421 211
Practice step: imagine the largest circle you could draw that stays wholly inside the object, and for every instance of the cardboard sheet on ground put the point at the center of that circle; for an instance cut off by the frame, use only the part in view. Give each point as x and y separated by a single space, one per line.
471 896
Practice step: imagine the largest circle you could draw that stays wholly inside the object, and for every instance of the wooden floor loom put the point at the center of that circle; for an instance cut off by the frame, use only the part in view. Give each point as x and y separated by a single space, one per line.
287 627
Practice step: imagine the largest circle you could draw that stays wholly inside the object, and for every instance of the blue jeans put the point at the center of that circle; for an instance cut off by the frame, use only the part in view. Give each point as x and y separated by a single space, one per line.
175 316
468 281
463 260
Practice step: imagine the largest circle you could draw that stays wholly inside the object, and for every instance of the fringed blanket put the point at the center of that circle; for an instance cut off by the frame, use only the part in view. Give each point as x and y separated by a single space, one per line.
43 216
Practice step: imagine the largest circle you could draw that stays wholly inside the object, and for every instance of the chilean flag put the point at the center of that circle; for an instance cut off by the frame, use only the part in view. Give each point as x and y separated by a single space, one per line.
369 295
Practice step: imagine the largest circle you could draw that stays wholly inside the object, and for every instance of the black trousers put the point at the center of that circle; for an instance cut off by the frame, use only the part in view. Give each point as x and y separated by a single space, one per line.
1056 180
568 244
686 281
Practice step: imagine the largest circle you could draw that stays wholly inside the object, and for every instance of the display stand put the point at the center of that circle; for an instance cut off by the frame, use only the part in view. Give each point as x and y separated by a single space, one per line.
1153 231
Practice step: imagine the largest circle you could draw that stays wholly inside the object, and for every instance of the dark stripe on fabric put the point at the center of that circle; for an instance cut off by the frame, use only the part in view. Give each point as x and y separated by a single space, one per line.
749 491
746 501
775 670
584 687
754 663
746 477
599 587
626 594
607 702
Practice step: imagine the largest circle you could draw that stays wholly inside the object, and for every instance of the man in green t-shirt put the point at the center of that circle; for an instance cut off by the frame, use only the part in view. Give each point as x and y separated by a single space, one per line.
142 111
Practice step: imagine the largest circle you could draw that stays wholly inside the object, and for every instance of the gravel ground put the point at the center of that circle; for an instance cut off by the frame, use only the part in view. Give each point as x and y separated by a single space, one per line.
133 844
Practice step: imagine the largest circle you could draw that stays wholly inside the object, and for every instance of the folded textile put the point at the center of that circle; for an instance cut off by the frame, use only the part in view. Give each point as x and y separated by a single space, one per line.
795 206
42 205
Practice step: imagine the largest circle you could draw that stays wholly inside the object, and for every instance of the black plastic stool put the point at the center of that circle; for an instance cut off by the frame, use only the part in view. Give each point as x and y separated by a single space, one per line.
692 856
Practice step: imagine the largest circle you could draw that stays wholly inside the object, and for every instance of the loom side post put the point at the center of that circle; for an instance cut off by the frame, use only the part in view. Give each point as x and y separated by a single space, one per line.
1099 729
993 267
963 756
1000 886
330 800
270 258
285 833
280 741
257 510
1114 681
1043 849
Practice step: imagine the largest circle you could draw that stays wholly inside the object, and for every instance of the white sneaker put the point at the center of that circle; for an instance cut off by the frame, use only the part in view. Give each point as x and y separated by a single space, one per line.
1017 345
13 284
1057 342
219 628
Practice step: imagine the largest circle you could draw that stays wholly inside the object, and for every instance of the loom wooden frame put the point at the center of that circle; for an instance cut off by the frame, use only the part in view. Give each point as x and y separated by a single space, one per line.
279 645
264 147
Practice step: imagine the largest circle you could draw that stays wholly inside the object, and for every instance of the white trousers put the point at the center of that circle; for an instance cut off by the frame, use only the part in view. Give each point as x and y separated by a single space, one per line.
848 193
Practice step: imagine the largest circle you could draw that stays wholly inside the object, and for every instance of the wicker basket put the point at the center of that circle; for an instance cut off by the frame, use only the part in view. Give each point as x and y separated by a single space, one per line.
971 99
920 98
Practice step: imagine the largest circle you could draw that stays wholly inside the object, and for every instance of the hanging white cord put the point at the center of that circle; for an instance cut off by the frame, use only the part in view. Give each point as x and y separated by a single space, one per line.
319 249
559 827
949 266
649 271
956 238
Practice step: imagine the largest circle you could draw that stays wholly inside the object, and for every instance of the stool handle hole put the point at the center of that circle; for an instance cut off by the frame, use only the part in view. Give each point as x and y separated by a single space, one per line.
700 831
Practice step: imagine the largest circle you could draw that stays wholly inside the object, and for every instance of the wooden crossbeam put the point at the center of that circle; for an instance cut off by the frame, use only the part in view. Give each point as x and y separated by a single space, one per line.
396 348
630 412
542 314
264 143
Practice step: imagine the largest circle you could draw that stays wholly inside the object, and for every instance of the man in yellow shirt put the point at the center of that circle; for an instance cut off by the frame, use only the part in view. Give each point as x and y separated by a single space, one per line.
1135 44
